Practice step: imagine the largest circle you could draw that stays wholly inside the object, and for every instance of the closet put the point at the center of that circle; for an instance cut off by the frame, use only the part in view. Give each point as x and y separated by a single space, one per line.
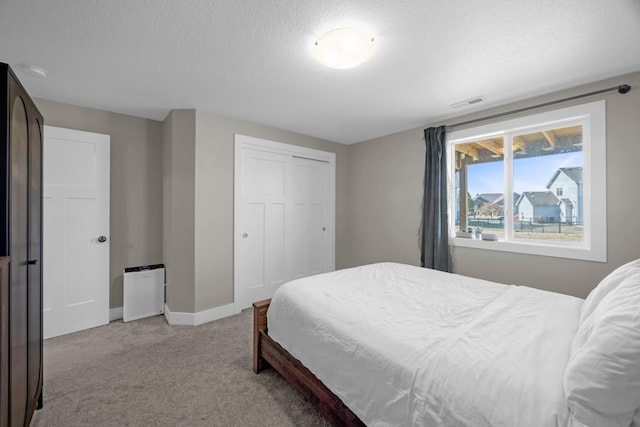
284 215
21 127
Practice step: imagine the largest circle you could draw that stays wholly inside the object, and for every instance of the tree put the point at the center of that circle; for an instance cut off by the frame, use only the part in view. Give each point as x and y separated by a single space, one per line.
489 210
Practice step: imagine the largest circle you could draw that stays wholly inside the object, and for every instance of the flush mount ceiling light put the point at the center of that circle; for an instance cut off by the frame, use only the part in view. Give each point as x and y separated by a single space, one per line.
34 71
344 48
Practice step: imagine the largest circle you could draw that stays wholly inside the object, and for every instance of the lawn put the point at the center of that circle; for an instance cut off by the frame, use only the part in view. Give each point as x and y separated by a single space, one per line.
531 230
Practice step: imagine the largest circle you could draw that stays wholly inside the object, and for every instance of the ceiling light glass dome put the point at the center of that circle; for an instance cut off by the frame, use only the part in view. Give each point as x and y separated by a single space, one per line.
344 48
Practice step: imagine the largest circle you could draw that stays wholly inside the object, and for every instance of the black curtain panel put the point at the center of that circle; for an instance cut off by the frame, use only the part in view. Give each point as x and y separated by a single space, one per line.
434 235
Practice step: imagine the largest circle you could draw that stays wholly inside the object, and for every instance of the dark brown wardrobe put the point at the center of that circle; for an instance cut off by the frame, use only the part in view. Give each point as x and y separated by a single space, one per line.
21 128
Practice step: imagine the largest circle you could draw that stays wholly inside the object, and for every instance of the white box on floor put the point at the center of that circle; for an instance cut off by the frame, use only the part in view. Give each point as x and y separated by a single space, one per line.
143 292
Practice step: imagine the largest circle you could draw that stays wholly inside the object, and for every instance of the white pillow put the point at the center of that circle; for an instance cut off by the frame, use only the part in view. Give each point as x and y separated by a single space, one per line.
602 379
606 285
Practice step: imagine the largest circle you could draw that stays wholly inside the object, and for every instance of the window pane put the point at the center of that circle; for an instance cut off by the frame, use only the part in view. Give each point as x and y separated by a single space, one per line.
480 186
547 180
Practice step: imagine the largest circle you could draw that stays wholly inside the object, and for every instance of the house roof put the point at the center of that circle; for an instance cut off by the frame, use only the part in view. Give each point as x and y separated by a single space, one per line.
487 197
496 198
575 173
539 198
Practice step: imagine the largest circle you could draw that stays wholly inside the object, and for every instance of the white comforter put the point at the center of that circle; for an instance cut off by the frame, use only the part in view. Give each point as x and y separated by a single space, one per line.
403 345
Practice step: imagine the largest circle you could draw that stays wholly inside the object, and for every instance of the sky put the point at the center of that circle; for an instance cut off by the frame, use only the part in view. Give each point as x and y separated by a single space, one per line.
529 174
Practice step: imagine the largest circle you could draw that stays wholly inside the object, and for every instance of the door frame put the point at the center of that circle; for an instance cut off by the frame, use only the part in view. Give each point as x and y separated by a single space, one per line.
243 141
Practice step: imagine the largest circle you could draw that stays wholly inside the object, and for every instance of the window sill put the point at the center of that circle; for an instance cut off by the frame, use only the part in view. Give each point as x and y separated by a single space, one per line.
534 248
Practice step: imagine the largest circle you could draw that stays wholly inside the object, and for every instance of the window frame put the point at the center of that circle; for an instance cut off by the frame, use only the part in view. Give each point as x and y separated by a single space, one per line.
592 116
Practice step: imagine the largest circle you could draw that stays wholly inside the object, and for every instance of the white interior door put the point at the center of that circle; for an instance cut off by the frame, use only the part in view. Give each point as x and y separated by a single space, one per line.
284 216
75 230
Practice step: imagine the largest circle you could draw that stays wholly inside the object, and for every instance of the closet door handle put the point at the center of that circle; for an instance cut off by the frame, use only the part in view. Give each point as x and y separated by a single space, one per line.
32 262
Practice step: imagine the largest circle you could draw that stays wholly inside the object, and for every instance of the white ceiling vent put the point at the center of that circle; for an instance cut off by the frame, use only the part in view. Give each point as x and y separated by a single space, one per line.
468 102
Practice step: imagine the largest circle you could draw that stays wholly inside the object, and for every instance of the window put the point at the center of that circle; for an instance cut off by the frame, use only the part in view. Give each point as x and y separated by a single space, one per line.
537 182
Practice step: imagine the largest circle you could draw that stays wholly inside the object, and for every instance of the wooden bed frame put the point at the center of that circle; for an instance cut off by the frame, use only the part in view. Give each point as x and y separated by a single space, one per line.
267 352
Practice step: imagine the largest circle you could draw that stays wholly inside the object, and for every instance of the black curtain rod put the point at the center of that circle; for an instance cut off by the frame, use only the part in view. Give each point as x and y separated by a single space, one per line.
621 89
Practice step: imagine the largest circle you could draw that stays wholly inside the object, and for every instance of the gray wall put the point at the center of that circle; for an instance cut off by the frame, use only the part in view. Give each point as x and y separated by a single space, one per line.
136 183
198 203
178 190
385 179
384 182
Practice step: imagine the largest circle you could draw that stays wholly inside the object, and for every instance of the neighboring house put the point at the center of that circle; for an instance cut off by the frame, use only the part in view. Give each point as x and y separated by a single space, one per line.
539 206
566 184
561 203
487 198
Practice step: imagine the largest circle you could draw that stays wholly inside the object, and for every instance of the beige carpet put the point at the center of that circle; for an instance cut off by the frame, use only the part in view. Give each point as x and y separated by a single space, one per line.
147 373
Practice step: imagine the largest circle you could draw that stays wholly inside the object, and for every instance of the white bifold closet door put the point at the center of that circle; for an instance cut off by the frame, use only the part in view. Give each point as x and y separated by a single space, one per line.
284 219
309 218
263 217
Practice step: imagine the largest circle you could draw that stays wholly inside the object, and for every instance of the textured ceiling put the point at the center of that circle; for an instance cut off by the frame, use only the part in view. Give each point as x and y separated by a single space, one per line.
253 59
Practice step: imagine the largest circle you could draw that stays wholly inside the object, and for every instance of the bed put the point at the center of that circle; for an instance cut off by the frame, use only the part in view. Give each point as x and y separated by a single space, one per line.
392 344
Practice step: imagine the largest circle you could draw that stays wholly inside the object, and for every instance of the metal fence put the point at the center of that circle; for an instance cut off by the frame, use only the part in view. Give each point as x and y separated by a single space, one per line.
533 225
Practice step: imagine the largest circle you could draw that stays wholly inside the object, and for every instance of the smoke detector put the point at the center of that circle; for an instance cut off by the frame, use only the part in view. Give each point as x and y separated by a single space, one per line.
34 71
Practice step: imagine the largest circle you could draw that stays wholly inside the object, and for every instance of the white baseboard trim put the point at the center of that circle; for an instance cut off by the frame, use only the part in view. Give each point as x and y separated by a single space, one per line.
195 319
115 313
